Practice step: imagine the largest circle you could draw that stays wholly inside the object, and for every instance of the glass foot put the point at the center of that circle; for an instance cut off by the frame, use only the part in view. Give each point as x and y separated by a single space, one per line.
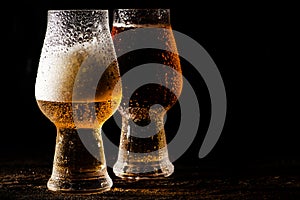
83 186
143 170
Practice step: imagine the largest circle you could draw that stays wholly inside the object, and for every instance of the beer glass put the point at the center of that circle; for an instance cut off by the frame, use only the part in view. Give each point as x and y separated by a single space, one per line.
143 152
78 88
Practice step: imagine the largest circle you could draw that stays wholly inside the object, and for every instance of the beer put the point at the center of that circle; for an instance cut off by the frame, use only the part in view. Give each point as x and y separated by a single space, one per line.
78 88
78 114
168 82
143 146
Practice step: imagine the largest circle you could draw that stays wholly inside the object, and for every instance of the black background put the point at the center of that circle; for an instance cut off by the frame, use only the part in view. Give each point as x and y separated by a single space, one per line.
252 45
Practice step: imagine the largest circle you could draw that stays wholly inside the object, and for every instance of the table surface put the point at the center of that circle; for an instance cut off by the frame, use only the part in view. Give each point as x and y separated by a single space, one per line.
28 181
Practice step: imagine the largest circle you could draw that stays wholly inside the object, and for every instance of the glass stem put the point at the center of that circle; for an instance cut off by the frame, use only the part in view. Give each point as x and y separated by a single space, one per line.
79 161
141 155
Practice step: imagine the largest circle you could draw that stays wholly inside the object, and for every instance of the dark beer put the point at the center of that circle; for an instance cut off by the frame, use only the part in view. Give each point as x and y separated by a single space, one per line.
143 147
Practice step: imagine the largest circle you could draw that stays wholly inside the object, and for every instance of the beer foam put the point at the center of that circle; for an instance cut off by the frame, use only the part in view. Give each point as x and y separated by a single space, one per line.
72 73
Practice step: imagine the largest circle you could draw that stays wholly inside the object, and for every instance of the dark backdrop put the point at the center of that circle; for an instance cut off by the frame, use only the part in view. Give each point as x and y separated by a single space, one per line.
250 44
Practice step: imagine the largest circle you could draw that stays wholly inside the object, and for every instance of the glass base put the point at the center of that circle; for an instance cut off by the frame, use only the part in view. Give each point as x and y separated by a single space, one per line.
82 186
143 170
85 186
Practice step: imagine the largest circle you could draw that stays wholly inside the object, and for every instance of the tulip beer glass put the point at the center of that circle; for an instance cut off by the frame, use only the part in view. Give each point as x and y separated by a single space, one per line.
78 88
143 149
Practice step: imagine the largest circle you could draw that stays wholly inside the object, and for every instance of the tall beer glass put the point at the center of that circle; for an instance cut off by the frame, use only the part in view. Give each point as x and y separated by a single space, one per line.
143 149
78 88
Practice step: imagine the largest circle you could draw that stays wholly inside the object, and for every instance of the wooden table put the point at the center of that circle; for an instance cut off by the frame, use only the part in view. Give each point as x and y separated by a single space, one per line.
28 181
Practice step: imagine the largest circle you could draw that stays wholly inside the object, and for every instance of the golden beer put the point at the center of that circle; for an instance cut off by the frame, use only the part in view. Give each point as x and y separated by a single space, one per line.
87 114
78 88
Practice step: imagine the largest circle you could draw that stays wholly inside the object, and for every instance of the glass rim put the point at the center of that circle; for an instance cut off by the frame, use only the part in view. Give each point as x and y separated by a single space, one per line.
142 16
141 9
79 10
